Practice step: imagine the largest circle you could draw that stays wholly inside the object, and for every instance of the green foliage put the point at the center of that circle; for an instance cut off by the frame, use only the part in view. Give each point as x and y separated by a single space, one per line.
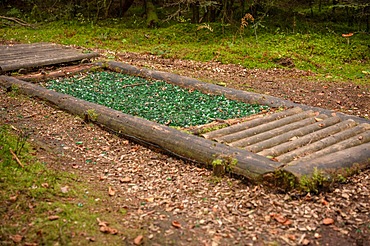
29 195
312 48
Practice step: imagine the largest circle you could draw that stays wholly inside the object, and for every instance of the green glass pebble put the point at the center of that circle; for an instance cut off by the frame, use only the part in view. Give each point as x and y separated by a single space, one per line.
153 100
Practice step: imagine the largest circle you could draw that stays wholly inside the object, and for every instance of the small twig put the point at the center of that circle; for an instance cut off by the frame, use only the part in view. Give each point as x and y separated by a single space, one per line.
16 20
16 157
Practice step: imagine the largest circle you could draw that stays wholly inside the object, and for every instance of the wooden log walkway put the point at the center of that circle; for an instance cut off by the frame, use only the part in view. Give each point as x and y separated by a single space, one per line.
29 56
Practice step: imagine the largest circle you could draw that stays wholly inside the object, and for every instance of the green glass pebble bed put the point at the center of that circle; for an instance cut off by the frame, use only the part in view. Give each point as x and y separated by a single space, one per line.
157 101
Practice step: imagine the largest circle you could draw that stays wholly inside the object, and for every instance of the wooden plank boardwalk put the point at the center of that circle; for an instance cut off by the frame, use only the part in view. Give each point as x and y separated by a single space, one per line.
29 56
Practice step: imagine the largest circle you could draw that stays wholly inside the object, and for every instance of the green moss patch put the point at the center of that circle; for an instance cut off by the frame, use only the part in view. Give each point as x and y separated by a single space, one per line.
157 101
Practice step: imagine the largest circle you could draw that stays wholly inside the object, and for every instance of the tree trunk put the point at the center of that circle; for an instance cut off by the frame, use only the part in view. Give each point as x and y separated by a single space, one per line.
151 14
195 10
125 5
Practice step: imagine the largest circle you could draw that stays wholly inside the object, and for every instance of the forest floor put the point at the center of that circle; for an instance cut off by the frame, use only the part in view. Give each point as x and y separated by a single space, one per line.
169 201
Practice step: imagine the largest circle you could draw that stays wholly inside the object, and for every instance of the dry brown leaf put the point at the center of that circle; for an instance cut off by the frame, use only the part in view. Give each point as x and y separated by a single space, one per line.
64 189
45 185
305 242
13 198
53 217
279 218
328 221
138 240
176 224
149 199
16 238
291 237
125 180
111 191
318 119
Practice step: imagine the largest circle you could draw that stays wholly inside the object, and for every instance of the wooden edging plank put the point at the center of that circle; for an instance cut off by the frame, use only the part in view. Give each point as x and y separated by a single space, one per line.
179 143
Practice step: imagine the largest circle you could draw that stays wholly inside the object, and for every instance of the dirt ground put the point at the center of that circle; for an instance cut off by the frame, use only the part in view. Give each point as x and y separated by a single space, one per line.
181 203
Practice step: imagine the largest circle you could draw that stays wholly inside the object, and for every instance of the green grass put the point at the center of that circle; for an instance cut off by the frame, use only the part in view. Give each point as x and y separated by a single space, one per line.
318 49
29 195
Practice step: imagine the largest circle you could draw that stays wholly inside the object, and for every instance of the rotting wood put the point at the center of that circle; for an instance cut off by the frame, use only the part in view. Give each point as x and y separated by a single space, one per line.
309 138
323 143
348 143
294 133
263 128
252 123
242 143
176 142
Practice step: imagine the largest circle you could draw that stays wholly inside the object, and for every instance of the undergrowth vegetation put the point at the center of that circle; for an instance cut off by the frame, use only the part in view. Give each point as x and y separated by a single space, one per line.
46 206
312 45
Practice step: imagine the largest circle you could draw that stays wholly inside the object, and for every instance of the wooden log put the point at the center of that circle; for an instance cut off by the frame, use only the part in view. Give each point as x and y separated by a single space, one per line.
323 143
242 143
233 94
354 141
312 137
289 135
251 123
341 162
171 140
186 82
263 128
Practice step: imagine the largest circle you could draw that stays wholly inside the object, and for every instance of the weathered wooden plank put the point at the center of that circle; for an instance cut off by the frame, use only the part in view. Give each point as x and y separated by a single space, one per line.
251 123
348 143
233 138
312 137
294 133
339 162
324 143
277 131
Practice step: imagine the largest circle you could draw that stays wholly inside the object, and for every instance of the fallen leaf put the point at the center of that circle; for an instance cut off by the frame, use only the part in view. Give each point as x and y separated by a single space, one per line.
328 221
125 180
318 119
291 237
176 224
45 185
16 238
64 189
281 219
13 198
53 217
111 192
305 242
149 199
138 240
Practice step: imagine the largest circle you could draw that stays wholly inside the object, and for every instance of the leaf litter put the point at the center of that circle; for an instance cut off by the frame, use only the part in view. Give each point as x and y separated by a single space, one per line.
210 211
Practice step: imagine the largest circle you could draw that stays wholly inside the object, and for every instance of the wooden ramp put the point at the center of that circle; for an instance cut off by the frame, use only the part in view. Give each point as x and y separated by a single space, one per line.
298 139
28 56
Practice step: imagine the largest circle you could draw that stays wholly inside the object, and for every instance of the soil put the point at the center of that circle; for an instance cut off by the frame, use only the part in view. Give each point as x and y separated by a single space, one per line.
177 202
